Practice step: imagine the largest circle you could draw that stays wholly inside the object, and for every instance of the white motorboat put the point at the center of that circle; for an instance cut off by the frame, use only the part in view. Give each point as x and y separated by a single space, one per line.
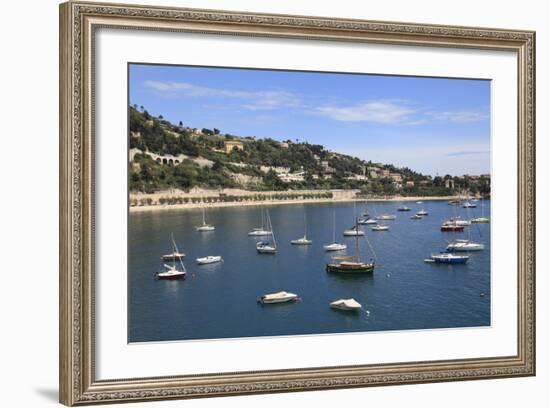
448 258
354 232
368 221
346 304
458 221
205 227
209 260
422 213
335 247
380 228
278 297
464 245
386 217
416 217
468 204
419 202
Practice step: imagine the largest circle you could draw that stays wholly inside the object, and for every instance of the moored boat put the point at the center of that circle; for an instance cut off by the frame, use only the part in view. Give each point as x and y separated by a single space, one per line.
171 271
449 258
174 255
205 227
301 241
346 304
403 208
260 231
451 226
278 297
464 245
334 246
267 247
416 217
354 232
209 260
422 213
386 217
350 264
380 228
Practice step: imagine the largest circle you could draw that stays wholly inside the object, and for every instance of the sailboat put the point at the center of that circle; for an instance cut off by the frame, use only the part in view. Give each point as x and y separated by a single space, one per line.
482 219
403 208
171 271
335 246
354 231
267 247
350 264
303 240
205 227
367 220
260 231
174 254
465 245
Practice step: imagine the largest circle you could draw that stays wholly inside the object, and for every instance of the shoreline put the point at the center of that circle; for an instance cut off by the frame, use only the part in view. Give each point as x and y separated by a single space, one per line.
194 206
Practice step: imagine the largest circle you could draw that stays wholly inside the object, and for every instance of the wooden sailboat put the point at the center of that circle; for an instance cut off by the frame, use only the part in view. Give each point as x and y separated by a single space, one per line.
350 264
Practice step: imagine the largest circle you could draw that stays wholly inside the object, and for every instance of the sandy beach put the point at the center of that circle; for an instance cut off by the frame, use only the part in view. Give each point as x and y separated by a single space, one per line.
191 206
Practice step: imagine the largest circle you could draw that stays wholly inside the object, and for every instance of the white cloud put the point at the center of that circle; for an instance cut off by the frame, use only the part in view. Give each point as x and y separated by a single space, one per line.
372 111
255 100
460 116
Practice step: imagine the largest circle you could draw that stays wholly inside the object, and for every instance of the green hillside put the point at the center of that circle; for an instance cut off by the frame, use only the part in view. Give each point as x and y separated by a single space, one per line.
175 156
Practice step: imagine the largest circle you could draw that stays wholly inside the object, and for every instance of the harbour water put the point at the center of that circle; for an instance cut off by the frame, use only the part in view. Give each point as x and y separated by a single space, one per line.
219 300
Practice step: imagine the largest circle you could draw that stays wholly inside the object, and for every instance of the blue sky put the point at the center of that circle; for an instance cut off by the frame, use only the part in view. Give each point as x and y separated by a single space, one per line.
432 125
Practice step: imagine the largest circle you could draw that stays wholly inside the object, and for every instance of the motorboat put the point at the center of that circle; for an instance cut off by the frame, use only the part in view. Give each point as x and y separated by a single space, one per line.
367 221
468 204
448 258
346 304
386 217
403 208
422 213
464 245
380 228
278 297
416 217
335 246
354 232
209 260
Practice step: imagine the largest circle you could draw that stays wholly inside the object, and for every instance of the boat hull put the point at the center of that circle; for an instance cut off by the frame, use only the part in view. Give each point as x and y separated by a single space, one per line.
452 228
337 268
171 277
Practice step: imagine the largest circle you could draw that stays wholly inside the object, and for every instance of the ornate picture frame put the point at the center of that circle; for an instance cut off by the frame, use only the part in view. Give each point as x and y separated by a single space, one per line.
78 24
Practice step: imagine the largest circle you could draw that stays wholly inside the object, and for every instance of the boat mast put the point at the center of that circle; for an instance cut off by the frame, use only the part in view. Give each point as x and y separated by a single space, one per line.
333 224
203 216
271 229
357 240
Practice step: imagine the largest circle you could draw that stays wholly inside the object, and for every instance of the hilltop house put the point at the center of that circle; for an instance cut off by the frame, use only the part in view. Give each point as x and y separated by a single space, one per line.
229 145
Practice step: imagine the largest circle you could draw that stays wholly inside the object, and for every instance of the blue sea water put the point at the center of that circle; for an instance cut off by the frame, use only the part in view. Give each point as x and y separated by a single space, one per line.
219 300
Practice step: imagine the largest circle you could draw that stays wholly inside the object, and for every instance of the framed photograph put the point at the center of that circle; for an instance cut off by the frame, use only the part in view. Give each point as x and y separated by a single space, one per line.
256 203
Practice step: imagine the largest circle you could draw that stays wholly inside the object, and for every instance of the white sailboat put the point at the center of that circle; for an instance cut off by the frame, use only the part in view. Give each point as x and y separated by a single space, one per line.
380 228
260 231
335 246
205 227
482 219
171 271
174 254
304 240
267 247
